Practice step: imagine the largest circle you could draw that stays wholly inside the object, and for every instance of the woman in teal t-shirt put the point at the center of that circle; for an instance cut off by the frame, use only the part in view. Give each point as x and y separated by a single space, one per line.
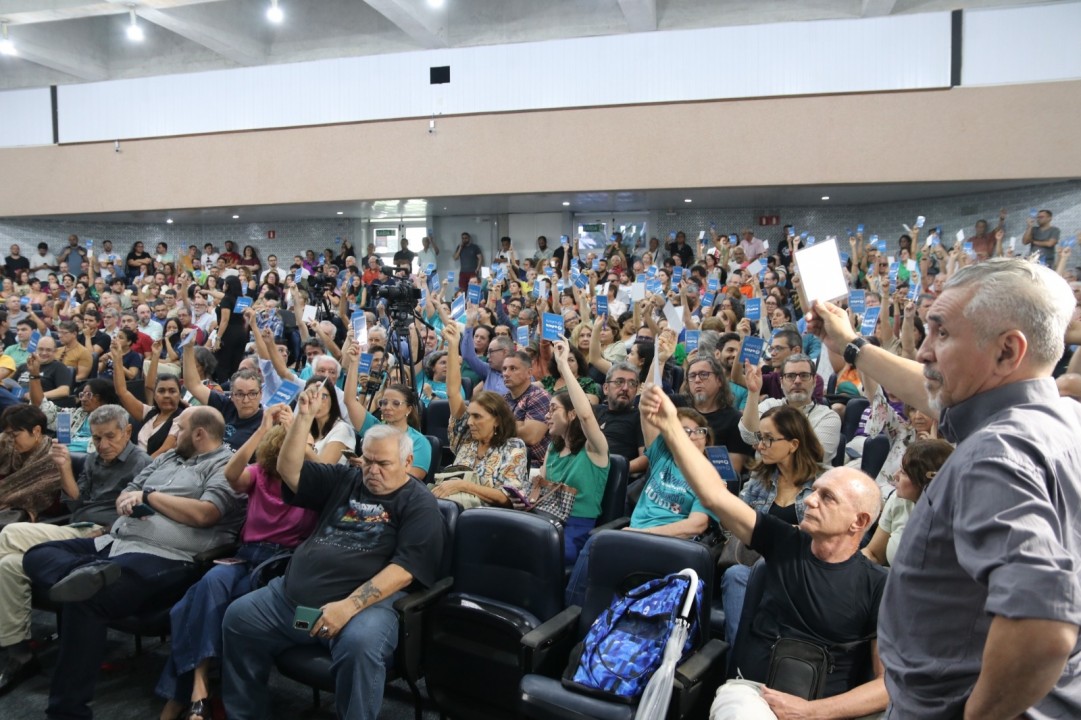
578 455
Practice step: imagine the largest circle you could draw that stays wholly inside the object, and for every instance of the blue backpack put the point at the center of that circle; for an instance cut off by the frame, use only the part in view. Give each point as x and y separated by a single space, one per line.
625 644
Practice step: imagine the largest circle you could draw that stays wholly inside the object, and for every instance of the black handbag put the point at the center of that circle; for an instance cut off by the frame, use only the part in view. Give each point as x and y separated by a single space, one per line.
799 668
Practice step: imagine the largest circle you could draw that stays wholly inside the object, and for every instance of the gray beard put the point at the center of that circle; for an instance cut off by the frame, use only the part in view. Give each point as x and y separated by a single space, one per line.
798 398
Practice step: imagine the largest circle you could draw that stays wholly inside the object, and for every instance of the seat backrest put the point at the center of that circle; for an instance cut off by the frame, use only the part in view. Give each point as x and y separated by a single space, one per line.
510 556
437 420
450 511
437 456
467 386
875 451
853 412
756 586
620 561
840 455
831 384
614 499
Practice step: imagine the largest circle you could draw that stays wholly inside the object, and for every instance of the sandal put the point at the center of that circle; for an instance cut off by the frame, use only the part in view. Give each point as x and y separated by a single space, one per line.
199 708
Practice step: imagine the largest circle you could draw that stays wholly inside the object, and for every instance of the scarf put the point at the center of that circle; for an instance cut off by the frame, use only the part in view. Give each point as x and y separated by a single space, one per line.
28 482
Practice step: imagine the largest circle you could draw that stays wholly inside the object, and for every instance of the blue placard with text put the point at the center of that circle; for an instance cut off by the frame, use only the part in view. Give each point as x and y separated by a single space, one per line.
857 301
523 337
473 294
242 304
722 463
602 305
870 320
552 327
752 309
690 339
751 352
284 394
364 364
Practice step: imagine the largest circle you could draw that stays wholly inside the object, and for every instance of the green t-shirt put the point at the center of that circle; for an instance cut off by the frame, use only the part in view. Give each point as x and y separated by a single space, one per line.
578 471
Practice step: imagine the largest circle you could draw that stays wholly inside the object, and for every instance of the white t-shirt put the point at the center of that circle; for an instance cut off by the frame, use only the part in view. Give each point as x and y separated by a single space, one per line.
341 432
894 518
47 259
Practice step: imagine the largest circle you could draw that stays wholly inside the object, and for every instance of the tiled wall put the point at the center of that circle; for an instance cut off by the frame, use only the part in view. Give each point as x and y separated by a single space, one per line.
952 213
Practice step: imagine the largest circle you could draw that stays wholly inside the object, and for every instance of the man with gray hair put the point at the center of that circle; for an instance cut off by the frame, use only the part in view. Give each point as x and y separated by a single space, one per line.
797 382
92 499
981 613
380 532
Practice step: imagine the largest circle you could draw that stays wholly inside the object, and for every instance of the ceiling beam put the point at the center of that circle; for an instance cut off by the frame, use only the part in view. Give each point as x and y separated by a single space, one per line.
877 8
424 26
57 53
197 26
641 15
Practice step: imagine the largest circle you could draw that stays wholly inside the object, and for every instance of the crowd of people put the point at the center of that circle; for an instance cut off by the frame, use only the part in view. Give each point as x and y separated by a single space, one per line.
161 408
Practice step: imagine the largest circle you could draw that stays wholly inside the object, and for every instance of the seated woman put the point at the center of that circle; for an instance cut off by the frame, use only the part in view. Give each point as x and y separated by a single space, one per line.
432 380
95 393
272 526
577 457
158 432
667 505
29 477
553 383
482 438
398 406
788 461
921 461
120 355
331 436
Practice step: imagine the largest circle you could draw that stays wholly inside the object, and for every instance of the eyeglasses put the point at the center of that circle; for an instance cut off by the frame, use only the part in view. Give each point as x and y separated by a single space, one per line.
391 403
251 395
502 334
624 382
792 377
766 441
496 349
778 348
696 432
700 375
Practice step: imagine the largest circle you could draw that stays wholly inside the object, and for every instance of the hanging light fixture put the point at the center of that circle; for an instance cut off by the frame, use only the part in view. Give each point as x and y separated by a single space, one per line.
274 13
6 46
135 33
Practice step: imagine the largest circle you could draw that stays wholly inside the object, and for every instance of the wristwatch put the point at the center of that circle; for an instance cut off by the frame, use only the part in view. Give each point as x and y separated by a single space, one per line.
852 350
146 494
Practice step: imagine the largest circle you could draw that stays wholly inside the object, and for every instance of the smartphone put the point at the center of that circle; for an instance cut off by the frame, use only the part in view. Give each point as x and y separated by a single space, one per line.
230 561
306 617
142 510
82 525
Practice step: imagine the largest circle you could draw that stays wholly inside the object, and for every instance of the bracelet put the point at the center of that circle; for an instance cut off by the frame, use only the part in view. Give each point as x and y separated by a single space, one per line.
146 494
35 377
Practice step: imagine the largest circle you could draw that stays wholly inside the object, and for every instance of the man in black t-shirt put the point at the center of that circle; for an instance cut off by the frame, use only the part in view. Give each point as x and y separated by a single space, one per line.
15 262
819 588
378 533
404 257
618 418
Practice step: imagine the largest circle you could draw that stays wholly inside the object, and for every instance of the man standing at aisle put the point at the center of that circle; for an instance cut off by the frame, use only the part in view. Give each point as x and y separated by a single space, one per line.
470 260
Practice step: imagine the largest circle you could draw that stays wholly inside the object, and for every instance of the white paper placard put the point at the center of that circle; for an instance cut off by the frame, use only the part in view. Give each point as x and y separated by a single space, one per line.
755 268
674 316
821 273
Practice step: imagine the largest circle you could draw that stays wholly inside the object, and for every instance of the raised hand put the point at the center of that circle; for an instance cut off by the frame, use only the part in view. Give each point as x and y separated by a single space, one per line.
666 346
752 378
561 352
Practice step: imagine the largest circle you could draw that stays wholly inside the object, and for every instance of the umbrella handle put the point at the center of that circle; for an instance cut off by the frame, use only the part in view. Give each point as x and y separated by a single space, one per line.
692 589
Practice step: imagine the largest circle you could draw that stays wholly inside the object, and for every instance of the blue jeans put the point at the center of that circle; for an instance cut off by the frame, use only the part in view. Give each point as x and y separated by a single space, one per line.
197 619
146 581
259 626
575 594
575 532
733 590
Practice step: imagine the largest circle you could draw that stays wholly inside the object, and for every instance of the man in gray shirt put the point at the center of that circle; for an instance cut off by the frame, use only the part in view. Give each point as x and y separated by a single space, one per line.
470 259
1043 236
982 606
177 507
92 499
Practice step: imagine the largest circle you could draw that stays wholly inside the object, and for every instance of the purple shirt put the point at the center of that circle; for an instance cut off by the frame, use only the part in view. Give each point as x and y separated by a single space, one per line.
271 519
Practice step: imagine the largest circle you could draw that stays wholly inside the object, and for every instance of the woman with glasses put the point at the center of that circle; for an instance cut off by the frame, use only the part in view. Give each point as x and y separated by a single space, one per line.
95 393
921 462
482 438
788 461
158 432
554 383
399 407
331 436
578 455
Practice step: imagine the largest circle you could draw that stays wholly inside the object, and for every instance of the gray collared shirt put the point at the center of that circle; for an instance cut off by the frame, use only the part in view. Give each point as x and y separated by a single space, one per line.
996 533
201 478
100 483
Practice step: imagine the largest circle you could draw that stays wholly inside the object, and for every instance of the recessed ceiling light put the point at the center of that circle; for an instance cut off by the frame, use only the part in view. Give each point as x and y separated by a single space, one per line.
168 221
566 204
274 13
341 212
687 200
825 197
236 217
435 4
135 33
6 46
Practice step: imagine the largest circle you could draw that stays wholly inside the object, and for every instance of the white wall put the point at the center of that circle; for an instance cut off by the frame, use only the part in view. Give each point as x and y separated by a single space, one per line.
1022 45
670 66
26 118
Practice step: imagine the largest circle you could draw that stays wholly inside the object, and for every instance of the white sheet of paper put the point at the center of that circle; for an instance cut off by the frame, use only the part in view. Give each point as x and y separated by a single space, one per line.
821 273
308 315
911 265
755 268
960 236
674 316
765 244
638 292
891 259
1013 243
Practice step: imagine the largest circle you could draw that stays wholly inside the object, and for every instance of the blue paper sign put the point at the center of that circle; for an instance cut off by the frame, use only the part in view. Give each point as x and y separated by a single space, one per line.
450 277
654 286
691 338
914 289
32 346
722 463
751 352
713 284
596 264
581 281
708 300
677 275
733 239
810 240
801 325
803 235
574 263
433 282
285 393
752 309
857 301
523 337
602 305
242 304
298 276
429 269
364 364
457 309
473 294
1033 212
89 244
564 240
870 320
359 322
63 427
967 248
640 278
549 271
844 258
859 228
651 272
672 235
552 328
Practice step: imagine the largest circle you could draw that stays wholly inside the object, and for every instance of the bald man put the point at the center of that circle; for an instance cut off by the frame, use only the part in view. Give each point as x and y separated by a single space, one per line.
818 587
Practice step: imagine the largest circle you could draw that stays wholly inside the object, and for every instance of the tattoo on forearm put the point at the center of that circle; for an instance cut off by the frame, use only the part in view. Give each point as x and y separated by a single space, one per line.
366 595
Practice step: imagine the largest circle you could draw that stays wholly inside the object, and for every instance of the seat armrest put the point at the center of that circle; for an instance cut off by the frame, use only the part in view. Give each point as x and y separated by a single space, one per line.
422 599
703 669
222 551
551 642
411 611
56 519
617 524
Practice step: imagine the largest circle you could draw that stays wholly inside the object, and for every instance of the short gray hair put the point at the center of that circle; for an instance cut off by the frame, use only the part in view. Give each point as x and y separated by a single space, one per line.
110 413
501 342
709 342
795 358
621 367
1014 294
382 432
328 358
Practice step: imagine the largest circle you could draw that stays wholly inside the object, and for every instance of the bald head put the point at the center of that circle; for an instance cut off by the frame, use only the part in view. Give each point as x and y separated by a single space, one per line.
844 505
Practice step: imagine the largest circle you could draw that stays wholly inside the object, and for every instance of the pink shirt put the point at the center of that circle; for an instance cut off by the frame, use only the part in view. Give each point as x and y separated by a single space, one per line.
271 519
